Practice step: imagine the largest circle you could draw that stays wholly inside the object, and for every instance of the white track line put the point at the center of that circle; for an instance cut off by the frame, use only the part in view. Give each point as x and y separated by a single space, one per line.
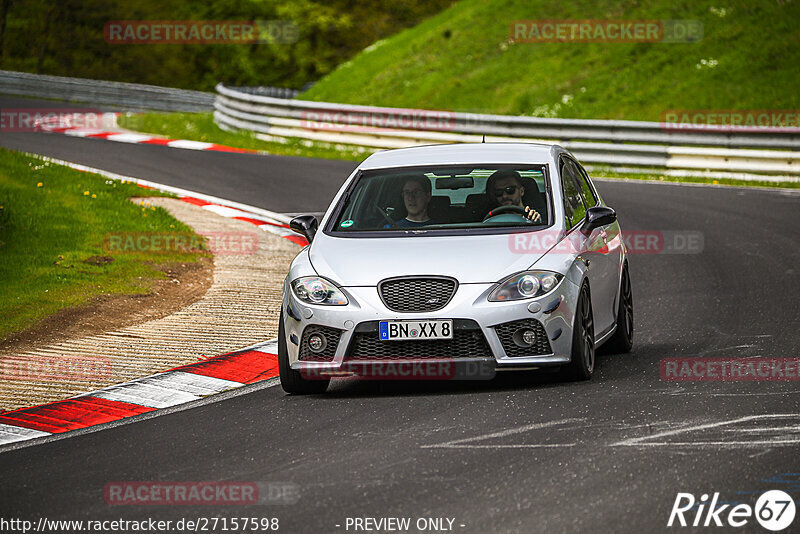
680 173
601 178
168 188
270 347
647 441
128 138
464 443
191 145
83 132
165 389
11 433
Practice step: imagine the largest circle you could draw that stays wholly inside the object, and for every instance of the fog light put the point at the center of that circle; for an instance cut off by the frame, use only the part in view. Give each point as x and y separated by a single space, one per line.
529 337
524 337
316 342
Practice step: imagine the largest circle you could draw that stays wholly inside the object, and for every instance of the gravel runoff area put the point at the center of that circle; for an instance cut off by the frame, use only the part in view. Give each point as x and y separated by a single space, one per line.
239 309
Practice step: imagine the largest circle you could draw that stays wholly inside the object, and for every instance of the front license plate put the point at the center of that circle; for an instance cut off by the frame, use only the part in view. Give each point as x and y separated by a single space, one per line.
405 330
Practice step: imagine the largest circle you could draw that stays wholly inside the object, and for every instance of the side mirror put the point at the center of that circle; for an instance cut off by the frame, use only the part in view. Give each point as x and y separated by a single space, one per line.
305 225
596 217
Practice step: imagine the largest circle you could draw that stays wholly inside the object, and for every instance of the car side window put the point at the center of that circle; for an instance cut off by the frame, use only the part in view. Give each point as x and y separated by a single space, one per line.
574 208
583 179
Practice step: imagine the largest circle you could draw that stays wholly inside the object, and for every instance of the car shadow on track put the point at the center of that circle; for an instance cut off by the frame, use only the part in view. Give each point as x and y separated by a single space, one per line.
503 381
610 367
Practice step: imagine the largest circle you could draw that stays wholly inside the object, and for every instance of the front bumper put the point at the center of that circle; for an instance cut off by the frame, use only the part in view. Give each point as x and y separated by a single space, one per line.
469 306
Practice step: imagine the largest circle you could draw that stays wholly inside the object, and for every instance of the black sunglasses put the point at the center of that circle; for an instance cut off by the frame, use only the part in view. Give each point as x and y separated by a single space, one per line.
508 190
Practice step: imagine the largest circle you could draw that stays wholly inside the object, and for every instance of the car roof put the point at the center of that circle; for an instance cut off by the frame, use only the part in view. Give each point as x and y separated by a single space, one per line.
463 153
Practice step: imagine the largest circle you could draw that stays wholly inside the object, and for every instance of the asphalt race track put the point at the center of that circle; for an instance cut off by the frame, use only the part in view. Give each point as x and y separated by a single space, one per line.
279 183
521 453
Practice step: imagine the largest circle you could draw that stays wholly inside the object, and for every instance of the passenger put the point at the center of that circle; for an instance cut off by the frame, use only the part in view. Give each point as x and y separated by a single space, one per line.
504 188
416 197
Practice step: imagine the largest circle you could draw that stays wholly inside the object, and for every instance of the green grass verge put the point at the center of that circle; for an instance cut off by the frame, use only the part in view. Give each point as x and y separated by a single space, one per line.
462 60
52 220
654 175
201 127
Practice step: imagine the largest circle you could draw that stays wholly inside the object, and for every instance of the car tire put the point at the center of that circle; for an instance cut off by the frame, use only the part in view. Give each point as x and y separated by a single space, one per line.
622 340
582 363
292 381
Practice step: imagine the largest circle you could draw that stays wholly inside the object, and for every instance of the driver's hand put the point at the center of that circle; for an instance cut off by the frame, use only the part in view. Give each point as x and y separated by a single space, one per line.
532 214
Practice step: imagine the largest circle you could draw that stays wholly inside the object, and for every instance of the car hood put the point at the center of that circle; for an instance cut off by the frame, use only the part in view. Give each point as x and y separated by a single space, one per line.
367 261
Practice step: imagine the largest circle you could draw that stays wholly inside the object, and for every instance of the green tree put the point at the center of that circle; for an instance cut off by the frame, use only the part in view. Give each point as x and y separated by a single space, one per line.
66 38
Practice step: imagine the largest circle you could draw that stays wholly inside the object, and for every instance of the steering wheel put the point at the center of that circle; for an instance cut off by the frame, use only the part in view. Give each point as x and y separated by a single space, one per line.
383 213
505 209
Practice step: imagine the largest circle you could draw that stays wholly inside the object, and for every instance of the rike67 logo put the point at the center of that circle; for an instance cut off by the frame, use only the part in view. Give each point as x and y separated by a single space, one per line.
774 510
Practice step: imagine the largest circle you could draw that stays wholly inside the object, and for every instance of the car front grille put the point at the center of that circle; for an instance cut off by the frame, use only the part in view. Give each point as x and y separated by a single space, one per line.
407 295
326 354
468 342
506 331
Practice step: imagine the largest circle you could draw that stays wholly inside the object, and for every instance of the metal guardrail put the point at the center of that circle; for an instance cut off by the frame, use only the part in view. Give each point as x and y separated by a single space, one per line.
610 143
130 96
274 92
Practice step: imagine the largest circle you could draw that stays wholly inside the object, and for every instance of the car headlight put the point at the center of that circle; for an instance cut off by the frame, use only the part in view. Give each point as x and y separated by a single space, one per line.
525 285
316 290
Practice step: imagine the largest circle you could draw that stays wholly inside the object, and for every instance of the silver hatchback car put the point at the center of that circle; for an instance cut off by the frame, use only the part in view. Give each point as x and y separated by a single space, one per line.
436 259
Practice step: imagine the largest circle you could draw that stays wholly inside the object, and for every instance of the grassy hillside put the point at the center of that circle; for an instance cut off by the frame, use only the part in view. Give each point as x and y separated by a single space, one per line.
462 60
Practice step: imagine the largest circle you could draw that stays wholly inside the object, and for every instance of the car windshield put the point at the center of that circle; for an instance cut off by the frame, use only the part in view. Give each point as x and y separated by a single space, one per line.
445 198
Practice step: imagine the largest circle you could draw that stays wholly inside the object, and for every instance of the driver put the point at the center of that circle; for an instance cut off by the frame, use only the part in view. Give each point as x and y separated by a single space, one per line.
504 188
416 197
